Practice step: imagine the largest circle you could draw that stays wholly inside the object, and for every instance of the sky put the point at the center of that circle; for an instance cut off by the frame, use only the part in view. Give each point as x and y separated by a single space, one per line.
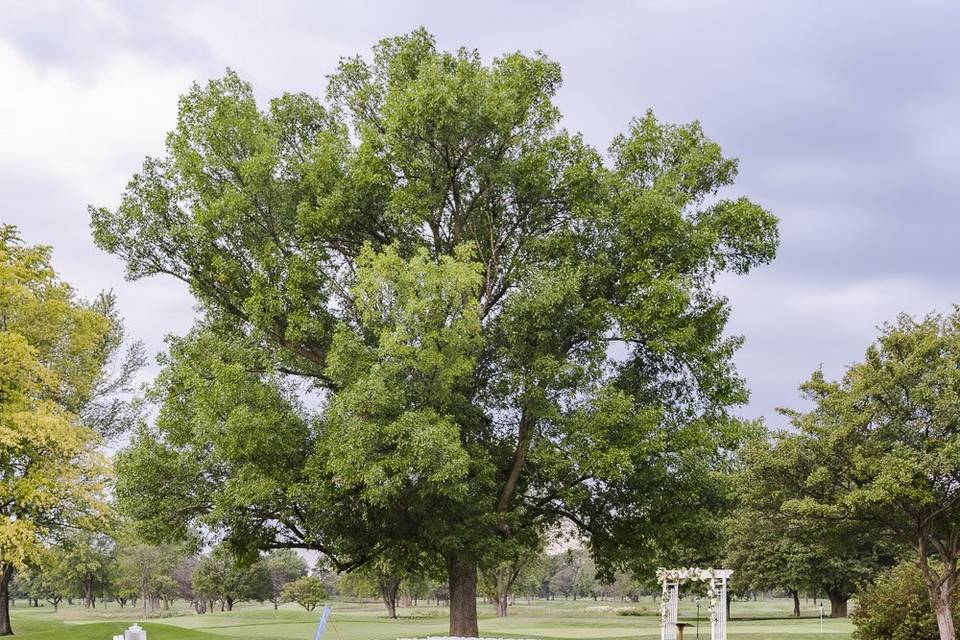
845 117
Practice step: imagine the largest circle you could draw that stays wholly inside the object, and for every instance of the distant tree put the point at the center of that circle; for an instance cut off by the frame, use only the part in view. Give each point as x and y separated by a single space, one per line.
220 576
624 587
886 438
146 570
51 580
772 544
378 578
497 581
88 557
284 565
183 576
414 587
331 580
532 578
308 592
448 268
53 351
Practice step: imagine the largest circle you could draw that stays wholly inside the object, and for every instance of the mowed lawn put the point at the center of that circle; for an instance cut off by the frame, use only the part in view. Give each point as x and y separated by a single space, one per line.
559 620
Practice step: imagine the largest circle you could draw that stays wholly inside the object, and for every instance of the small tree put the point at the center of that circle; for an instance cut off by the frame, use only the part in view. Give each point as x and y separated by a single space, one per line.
220 576
284 565
308 592
497 581
379 578
146 570
88 557
51 581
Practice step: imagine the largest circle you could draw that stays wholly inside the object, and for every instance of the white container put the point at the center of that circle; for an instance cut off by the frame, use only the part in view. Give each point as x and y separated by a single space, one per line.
135 633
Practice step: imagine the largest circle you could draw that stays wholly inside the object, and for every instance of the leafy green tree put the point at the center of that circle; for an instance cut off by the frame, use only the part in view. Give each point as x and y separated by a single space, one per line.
503 327
574 574
87 560
145 571
307 591
52 357
284 565
377 578
50 580
887 437
774 545
497 581
220 576
624 587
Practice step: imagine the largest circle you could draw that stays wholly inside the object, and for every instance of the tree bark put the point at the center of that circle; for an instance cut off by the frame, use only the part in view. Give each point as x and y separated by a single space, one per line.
945 621
941 588
462 576
6 574
796 602
838 603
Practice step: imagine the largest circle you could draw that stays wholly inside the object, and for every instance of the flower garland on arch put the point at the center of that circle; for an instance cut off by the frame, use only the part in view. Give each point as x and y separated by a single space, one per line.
679 576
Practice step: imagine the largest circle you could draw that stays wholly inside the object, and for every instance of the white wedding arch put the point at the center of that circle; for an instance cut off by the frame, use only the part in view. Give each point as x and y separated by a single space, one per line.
716 580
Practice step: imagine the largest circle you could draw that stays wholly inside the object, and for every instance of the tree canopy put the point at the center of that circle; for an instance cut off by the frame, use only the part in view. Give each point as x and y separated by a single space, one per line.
433 318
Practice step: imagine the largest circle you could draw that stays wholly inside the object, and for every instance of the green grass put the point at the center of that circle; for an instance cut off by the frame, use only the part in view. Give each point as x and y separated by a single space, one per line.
555 620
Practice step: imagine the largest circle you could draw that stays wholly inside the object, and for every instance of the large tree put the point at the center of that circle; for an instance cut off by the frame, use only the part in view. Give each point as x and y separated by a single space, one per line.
887 437
501 326
53 350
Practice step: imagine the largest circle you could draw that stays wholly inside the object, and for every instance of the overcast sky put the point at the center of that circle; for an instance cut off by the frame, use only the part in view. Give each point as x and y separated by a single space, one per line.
845 117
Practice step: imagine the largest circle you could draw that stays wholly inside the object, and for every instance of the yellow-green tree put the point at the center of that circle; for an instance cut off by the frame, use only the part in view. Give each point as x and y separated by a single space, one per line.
53 350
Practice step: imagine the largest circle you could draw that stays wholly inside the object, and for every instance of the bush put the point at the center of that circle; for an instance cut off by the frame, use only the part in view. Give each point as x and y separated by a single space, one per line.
896 607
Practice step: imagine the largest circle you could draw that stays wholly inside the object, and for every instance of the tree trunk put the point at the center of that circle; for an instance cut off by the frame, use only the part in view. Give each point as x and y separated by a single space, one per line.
501 604
945 621
729 598
389 587
229 604
5 577
941 589
838 603
796 602
462 576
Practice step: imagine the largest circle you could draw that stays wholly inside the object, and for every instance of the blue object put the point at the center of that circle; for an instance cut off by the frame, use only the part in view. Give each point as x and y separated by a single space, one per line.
322 624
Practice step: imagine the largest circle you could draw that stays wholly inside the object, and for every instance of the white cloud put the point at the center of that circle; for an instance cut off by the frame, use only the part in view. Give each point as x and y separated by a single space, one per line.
84 134
67 141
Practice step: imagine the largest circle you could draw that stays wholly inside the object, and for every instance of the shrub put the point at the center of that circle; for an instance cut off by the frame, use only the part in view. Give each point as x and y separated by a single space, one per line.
896 607
633 611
